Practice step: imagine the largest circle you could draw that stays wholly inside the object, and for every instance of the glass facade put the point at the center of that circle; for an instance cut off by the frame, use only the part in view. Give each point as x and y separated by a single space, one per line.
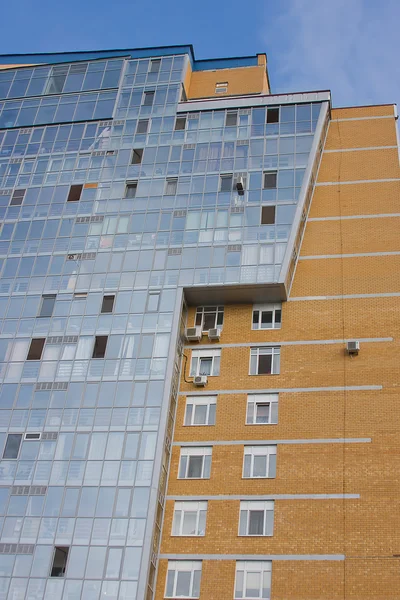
141 225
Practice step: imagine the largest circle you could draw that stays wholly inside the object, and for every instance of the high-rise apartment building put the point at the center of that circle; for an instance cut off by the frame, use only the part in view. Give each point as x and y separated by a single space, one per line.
199 333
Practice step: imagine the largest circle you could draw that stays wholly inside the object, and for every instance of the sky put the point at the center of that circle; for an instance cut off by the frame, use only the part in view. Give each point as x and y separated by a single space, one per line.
348 46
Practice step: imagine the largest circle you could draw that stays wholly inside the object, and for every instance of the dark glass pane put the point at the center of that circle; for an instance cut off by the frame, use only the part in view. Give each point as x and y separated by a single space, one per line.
12 446
75 193
100 345
209 321
264 364
108 304
262 413
256 522
36 349
47 307
268 215
195 464
266 318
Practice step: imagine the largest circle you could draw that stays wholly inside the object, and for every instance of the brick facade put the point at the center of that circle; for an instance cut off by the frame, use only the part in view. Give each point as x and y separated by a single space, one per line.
361 531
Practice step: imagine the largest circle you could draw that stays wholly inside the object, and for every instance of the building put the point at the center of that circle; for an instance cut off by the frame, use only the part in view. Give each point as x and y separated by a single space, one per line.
199 306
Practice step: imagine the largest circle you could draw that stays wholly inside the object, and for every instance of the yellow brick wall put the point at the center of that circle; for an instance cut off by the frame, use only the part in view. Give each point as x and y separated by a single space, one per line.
366 529
357 112
355 199
348 134
341 237
363 164
241 80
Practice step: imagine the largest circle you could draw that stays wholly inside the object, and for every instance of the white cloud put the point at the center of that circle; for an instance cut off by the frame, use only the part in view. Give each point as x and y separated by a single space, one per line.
348 46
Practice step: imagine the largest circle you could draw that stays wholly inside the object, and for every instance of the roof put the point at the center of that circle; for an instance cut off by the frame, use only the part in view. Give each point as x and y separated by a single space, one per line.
62 57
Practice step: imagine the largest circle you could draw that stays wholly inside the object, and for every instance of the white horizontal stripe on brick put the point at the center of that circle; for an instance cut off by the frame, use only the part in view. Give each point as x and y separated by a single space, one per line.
363 118
349 217
345 296
359 255
272 442
267 497
289 343
360 149
339 388
357 181
258 557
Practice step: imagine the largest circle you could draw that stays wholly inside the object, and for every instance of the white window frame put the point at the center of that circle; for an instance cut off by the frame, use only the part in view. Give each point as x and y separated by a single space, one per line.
273 351
252 566
182 510
254 451
201 311
194 401
255 400
267 308
180 566
266 507
184 461
198 355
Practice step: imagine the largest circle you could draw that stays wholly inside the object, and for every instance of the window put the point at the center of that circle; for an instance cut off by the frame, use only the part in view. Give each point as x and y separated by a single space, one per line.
225 183
12 446
209 317
259 461
47 306
189 518
180 123
200 410
75 192
183 579
205 362
195 463
267 215
256 518
267 316
32 436
131 189
171 186
137 155
273 114
17 197
36 349
148 98
107 304
231 119
153 301
221 88
264 361
100 345
262 409
270 180
253 579
142 126
155 65
60 558
56 80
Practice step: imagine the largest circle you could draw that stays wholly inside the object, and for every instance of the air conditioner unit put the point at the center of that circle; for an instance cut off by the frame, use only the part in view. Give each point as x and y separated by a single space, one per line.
200 380
240 186
214 334
193 334
353 347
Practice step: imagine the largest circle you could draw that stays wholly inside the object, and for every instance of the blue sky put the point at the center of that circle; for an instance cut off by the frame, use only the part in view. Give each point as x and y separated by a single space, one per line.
348 46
